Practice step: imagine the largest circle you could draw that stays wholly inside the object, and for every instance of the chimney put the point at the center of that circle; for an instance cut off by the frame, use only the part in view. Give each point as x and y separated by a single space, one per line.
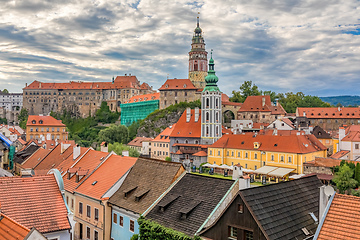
76 151
188 114
275 133
77 178
125 153
64 146
325 193
104 147
263 101
196 114
27 173
304 114
39 84
25 84
244 182
339 108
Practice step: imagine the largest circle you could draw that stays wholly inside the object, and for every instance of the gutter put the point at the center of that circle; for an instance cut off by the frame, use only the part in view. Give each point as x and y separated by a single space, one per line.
323 218
217 206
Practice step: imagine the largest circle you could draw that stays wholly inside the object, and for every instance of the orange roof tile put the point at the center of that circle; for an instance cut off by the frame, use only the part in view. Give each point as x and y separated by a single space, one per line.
255 104
69 161
164 136
55 157
324 162
12 230
340 154
145 97
89 162
178 84
226 131
21 141
105 176
318 112
275 143
342 221
137 142
187 129
35 158
145 86
34 120
258 125
200 154
34 202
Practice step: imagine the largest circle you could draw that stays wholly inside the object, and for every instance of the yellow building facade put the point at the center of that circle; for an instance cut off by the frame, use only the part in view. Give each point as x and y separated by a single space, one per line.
265 150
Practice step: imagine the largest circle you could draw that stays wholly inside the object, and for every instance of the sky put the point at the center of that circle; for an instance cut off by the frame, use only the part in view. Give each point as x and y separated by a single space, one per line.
312 46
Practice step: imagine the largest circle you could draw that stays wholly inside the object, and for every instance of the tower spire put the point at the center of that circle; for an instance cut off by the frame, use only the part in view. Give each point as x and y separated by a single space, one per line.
198 23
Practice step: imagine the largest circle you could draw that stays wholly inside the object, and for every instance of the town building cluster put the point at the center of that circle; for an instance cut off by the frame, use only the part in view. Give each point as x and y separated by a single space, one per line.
224 170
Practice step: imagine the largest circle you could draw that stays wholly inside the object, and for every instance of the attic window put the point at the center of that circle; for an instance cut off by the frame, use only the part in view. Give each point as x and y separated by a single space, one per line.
305 231
164 204
240 208
186 210
333 114
141 194
129 191
313 217
242 142
319 114
326 114
185 86
275 145
41 122
94 183
33 121
312 114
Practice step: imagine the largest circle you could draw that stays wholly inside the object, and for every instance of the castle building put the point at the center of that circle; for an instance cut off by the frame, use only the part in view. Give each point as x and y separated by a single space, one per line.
198 58
211 108
83 98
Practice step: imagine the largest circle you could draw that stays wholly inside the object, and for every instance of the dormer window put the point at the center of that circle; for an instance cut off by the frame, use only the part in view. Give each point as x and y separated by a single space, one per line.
41 122
167 85
33 121
185 85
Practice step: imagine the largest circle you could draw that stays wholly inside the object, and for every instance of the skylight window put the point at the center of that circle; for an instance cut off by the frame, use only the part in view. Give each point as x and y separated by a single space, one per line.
94 183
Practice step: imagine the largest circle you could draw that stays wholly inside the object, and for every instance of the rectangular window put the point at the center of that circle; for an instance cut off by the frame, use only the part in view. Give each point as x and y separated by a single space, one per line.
289 160
72 203
96 214
88 232
245 165
67 200
246 155
218 153
233 233
132 226
232 154
115 218
227 153
281 158
121 221
357 146
88 211
240 208
96 235
80 207
210 152
272 157
248 235
255 156
238 154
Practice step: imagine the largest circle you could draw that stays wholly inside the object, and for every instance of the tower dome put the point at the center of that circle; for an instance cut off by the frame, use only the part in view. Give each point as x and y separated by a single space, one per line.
211 79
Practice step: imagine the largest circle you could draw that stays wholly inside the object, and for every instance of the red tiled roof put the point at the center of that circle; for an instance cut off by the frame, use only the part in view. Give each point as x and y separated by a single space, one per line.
164 136
352 137
340 154
47 121
258 125
178 84
105 176
35 158
324 162
224 98
187 129
89 162
226 131
255 104
200 154
55 157
275 143
12 230
145 86
119 82
145 97
342 221
137 142
69 161
318 112
321 176
21 141
34 202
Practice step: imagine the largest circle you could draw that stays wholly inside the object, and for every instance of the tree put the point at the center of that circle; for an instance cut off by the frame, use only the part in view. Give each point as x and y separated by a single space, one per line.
104 115
118 148
343 179
5 91
114 133
133 128
23 117
357 172
168 159
246 89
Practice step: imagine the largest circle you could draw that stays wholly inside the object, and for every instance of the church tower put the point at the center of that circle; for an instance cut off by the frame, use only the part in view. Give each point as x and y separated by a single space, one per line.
211 117
198 58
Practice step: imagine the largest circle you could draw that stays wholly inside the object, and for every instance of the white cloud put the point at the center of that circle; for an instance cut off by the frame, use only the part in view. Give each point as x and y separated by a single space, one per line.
279 45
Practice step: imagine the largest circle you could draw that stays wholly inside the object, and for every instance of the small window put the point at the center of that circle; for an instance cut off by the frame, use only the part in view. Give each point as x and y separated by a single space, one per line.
238 154
96 214
88 211
80 207
121 222
96 235
289 160
255 155
218 153
272 157
356 146
115 218
246 155
210 152
240 208
282 159
72 203
88 232
132 226
233 233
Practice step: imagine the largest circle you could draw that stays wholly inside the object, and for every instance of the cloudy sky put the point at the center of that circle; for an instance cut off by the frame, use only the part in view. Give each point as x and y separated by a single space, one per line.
311 46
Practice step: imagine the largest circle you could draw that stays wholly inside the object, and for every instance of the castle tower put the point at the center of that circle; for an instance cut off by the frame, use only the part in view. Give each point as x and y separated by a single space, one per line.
211 117
198 59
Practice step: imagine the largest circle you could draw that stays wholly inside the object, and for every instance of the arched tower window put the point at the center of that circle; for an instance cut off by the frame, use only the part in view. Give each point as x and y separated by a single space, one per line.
207 131
217 102
217 116
195 66
207 102
217 130
207 116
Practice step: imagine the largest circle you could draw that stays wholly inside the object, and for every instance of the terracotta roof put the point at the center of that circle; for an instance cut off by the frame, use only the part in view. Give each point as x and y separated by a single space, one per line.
342 221
164 136
119 83
87 162
340 154
178 84
55 157
290 144
105 176
200 154
352 137
321 176
137 142
226 131
12 230
318 112
255 104
232 104
148 179
145 97
187 129
351 128
324 162
21 141
145 86
35 158
47 121
69 161
258 125
34 202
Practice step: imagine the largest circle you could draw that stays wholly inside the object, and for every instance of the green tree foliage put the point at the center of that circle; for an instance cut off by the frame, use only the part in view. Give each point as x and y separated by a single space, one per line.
5 91
357 172
114 133
133 128
150 230
104 115
23 117
3 121
118 148
343 178
168 159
